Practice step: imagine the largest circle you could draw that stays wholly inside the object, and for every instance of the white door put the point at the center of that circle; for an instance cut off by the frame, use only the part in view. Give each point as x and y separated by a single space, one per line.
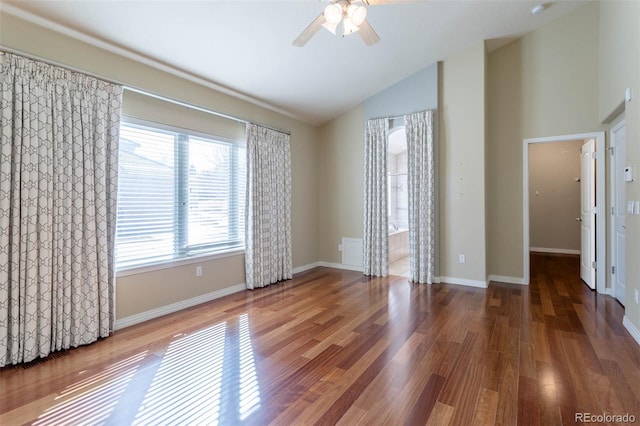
587 214
618 142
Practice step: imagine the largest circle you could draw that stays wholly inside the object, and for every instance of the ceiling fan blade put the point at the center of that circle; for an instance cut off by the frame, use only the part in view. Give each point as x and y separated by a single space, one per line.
310 31
368 34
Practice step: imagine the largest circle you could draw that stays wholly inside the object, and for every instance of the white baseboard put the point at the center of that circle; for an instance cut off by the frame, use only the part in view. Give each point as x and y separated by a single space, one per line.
184 304
306 267
506 279
175 307
632 329
553 250
340 266
464 281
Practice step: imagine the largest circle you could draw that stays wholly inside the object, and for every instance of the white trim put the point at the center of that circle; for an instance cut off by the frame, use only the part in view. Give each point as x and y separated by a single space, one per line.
601 237
631 328
616 124
163 127
178 306
306 267
506 279
553 250
184 304
464 281
341 266
77 35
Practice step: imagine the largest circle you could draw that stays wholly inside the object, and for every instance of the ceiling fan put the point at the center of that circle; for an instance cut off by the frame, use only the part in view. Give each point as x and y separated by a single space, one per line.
343 17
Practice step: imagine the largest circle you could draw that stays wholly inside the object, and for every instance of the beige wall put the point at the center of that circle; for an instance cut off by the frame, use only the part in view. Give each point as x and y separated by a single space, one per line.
462 174
461 156
619 54
619 31
543 84
145 291
554 195
565 78
341 177
139 106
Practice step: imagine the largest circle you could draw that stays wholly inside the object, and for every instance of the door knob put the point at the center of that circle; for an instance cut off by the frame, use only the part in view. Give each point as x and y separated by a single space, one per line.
578 219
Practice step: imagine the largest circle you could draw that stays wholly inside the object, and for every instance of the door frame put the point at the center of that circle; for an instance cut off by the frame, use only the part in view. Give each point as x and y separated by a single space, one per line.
615 124
601 223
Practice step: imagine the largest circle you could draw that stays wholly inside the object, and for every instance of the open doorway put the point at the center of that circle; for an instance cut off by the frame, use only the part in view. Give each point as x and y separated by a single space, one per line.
589 219
398 201
554 197
561 200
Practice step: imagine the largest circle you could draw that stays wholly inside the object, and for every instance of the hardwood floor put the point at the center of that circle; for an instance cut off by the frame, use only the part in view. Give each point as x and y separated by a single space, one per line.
333 347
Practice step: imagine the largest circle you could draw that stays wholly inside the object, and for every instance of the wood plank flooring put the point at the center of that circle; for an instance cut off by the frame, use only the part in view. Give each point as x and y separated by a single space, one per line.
334 347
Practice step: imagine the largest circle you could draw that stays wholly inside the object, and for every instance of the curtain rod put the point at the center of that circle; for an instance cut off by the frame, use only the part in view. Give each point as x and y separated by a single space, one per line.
201 109
397 117
138 90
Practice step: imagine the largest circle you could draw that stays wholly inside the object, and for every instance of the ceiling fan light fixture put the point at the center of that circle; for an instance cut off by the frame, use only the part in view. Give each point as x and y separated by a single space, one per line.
350 17
331 27
357 14
348 27
333 13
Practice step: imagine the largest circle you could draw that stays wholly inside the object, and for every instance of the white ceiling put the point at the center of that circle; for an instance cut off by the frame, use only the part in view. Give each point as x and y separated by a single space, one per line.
246 45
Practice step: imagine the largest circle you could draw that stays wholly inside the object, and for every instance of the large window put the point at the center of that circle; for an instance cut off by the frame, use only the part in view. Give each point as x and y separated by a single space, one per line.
179 195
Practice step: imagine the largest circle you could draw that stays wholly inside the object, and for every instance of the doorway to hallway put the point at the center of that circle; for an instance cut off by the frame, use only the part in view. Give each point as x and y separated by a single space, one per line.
590 217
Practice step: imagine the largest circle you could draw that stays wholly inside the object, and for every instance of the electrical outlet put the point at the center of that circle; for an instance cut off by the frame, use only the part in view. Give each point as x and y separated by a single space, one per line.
461 258
198 271
635 295
339 247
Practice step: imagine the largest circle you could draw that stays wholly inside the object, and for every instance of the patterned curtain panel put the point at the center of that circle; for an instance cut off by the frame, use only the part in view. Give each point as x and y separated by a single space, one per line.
58 174
421 186
268 216
376 234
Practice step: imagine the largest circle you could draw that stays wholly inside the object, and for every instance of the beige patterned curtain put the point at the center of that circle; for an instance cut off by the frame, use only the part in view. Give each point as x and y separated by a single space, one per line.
268 217
376 233
58 173
421 185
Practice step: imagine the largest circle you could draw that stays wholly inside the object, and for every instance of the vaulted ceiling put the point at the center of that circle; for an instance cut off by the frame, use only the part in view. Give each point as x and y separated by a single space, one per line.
246 45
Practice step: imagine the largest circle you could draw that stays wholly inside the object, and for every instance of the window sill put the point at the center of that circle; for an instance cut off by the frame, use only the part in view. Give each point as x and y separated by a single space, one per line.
179 262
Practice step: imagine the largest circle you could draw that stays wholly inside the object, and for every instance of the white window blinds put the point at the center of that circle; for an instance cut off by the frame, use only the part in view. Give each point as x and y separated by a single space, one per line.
179 195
